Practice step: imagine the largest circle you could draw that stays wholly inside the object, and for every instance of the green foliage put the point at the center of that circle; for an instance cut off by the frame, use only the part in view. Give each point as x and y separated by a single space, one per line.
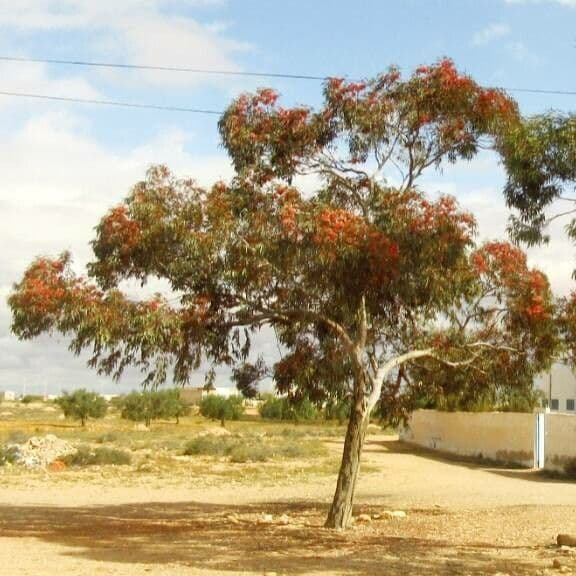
280 408
221 408
539 154
82 404
29 398
253 448
337 410
87 456
107 437
150 405
8 455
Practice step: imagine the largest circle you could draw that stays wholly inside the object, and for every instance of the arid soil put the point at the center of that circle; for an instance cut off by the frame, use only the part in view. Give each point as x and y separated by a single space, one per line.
461 518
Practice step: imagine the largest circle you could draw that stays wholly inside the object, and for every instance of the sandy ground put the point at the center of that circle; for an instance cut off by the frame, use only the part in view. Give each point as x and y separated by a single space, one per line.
462 518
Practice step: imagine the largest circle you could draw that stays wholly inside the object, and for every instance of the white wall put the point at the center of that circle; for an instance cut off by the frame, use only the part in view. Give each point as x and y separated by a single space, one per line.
505 437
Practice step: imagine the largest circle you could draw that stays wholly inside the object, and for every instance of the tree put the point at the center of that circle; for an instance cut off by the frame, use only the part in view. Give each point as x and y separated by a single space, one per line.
151 405
539 154
220 408
356 276
82 404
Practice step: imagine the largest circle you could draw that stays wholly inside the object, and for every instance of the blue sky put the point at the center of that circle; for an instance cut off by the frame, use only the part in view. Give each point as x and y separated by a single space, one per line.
63 165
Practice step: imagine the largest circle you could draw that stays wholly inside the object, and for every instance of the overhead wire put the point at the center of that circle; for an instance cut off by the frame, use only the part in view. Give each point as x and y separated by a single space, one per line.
194 70
184 69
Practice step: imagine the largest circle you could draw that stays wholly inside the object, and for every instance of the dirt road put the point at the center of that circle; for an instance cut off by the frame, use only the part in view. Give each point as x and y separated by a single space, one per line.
461 519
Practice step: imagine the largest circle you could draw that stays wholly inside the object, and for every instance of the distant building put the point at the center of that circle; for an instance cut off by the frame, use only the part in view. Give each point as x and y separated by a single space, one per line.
192 396
7 395
559 387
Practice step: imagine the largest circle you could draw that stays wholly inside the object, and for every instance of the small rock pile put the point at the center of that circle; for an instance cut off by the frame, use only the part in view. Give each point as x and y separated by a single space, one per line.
40 451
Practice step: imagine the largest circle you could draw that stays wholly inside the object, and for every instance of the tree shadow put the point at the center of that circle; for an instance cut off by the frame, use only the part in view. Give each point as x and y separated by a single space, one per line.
474 463
247 538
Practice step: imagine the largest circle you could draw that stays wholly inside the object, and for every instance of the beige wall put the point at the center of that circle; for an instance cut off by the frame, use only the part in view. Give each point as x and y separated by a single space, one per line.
560 442
191 396
506 437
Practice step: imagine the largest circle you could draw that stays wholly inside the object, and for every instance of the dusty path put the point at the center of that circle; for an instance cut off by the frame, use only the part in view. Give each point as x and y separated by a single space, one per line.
462 519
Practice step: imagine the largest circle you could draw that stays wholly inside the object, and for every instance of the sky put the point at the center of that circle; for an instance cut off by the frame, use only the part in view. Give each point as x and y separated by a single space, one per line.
62 165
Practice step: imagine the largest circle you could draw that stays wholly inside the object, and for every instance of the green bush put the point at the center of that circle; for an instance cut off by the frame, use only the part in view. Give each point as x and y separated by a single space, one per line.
209 445
29 398
221 408
108 437
275 408
252 449
86 456
8 455
82 404
337 410
254 452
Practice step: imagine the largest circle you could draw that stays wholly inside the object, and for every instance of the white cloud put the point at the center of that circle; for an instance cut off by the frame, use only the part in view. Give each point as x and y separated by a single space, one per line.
520 52
34 78
56 184
135 32
489 33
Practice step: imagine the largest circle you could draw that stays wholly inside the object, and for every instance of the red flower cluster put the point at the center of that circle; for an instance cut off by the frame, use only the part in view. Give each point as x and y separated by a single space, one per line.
119 229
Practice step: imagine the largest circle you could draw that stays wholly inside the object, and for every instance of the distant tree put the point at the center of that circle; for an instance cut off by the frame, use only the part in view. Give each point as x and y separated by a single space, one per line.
172 405
150 405
82 405
220 408
277 408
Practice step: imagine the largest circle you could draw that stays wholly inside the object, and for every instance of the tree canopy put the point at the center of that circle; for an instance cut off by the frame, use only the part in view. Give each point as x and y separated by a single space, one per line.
323 235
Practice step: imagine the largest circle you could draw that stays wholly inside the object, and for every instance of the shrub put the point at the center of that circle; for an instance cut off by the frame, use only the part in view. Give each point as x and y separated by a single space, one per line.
86 456
337 410
108 437
208 445
29 398
275 408
253 452
82 404
253 449
221 408
8 455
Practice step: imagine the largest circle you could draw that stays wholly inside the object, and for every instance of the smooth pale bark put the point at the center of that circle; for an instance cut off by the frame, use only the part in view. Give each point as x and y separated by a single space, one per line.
340 513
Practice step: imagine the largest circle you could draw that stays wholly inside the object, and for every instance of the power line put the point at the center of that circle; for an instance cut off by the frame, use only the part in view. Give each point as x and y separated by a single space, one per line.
110 103
183 69
163 68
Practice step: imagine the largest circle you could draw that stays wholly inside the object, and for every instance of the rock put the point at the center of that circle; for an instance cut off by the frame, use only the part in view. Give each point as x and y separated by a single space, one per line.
395 513
284 520
556 564
566 540
266 519
40 451
233 519
364 518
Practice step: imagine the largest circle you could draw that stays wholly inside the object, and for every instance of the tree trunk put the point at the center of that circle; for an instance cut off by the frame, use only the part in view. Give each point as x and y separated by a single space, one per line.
340 512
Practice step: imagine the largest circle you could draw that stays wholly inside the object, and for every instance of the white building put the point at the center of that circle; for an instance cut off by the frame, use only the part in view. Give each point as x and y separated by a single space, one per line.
559 387
7 395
